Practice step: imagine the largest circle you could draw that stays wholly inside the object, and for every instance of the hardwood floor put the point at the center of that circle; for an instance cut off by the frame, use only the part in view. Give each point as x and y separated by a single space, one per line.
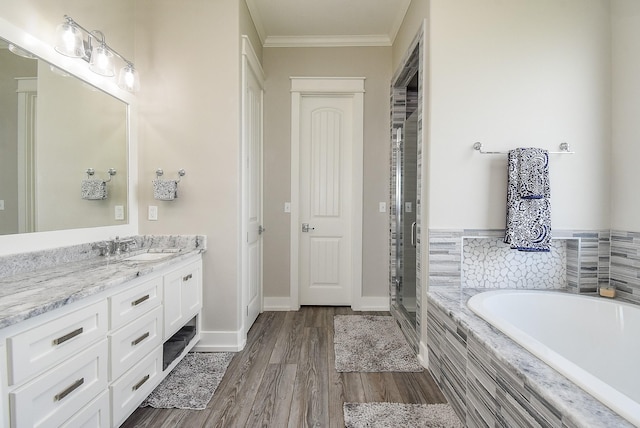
286 377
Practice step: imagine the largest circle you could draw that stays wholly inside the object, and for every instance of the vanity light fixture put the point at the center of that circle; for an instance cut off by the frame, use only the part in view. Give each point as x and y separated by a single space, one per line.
21 52
70 42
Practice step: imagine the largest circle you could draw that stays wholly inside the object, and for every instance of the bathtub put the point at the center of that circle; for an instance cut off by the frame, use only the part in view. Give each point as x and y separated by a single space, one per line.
592 341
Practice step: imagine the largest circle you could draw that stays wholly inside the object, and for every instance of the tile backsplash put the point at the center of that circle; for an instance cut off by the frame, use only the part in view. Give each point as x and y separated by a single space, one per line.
477 258
490 263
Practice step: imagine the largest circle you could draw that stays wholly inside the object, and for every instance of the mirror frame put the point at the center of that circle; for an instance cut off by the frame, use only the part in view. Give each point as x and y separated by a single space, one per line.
33 241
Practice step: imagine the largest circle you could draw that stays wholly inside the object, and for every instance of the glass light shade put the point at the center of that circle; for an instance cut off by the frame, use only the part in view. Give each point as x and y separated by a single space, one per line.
129 80
69 40
21 52
102 61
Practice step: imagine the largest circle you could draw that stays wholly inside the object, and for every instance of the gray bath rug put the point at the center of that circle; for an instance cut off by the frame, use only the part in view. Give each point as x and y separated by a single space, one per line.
191 384
391 415
370 343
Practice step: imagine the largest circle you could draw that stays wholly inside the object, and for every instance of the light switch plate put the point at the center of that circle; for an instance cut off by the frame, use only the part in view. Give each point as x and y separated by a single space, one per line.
1 204
153 212
119 212
287 207
382 207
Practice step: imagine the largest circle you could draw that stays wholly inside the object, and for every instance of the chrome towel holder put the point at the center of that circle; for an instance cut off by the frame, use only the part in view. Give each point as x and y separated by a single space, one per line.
564 150
181 173
91 172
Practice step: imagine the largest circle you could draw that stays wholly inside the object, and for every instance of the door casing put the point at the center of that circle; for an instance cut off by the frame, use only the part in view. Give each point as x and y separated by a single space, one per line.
250 66
314 86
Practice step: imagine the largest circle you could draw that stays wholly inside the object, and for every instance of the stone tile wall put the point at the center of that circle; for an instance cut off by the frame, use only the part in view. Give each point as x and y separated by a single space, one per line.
625 265
581 260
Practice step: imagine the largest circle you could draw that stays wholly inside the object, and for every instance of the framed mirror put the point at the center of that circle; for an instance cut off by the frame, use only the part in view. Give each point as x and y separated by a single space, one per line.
55 127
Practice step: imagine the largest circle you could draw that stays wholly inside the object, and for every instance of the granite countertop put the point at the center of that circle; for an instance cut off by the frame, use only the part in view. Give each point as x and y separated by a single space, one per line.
575 403
47 287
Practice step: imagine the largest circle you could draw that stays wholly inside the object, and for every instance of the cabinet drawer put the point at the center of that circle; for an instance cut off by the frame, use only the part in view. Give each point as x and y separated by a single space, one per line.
182 297
132 342
126 306
94 415
59 393
134 386
46 345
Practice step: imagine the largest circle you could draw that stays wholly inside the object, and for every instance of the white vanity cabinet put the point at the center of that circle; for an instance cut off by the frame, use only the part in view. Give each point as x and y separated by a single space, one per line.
183 288
92 362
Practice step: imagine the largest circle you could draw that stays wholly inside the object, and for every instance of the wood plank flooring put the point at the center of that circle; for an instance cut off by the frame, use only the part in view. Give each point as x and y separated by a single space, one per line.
286 377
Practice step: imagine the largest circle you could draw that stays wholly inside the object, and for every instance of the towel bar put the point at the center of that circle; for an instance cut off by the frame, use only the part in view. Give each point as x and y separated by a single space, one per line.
564 150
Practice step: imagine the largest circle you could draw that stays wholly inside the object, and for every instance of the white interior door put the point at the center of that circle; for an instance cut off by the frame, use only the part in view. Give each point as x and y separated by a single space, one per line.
252 187
326 124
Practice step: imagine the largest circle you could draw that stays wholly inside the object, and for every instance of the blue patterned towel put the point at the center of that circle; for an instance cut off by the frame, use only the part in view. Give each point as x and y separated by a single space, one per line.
533 173
528 205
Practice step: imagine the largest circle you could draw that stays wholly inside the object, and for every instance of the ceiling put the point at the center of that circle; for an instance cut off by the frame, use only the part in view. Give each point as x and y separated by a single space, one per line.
297 23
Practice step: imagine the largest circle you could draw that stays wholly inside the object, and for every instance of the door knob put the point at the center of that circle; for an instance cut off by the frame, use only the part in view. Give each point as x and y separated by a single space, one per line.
261 230
306 228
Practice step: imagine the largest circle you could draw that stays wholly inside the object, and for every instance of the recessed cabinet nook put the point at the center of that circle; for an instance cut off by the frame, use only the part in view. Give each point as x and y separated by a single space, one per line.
92 362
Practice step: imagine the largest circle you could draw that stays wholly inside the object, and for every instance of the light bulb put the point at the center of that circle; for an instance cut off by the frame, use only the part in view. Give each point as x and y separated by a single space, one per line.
102 61
129 79
69 40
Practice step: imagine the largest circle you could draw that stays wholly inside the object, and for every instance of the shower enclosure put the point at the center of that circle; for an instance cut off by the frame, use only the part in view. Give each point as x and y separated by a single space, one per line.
405 207
406 124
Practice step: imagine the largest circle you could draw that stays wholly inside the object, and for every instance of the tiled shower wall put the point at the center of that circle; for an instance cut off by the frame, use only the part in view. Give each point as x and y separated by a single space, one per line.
625 264
477 258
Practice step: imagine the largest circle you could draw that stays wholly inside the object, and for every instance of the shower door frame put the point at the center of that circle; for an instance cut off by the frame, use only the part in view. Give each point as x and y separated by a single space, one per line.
413 62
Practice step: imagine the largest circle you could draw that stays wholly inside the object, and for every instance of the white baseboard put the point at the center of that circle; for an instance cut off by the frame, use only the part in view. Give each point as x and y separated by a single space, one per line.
363 304
220 341
423 356
371 304
277 304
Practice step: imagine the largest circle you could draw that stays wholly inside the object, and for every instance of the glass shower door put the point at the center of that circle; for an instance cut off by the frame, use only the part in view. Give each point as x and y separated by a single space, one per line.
406 199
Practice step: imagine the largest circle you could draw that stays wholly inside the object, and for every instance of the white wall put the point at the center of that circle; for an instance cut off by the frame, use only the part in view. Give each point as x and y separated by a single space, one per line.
512 74
189 54
279 64
625 174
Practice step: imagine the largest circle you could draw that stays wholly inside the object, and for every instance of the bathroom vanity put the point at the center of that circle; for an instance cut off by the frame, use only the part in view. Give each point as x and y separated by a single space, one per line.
83 343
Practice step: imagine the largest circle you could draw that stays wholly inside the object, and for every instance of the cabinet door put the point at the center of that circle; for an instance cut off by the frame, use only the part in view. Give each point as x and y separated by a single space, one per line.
182 297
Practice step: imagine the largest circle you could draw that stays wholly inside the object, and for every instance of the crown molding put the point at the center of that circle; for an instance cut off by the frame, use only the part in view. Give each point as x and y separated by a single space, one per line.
326 41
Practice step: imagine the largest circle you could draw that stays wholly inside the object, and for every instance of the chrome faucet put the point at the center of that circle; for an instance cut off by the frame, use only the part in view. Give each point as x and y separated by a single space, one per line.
116 246
123 245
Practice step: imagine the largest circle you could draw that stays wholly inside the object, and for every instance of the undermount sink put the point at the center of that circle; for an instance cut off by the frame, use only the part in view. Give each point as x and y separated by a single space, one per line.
148 257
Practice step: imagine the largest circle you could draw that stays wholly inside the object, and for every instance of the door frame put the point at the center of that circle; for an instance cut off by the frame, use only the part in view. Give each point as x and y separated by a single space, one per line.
343 86
250 64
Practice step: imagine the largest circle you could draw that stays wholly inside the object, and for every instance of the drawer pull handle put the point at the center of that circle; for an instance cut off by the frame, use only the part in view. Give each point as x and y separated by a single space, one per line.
188 277
140 339
68 336
139 384
69 390
140 300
